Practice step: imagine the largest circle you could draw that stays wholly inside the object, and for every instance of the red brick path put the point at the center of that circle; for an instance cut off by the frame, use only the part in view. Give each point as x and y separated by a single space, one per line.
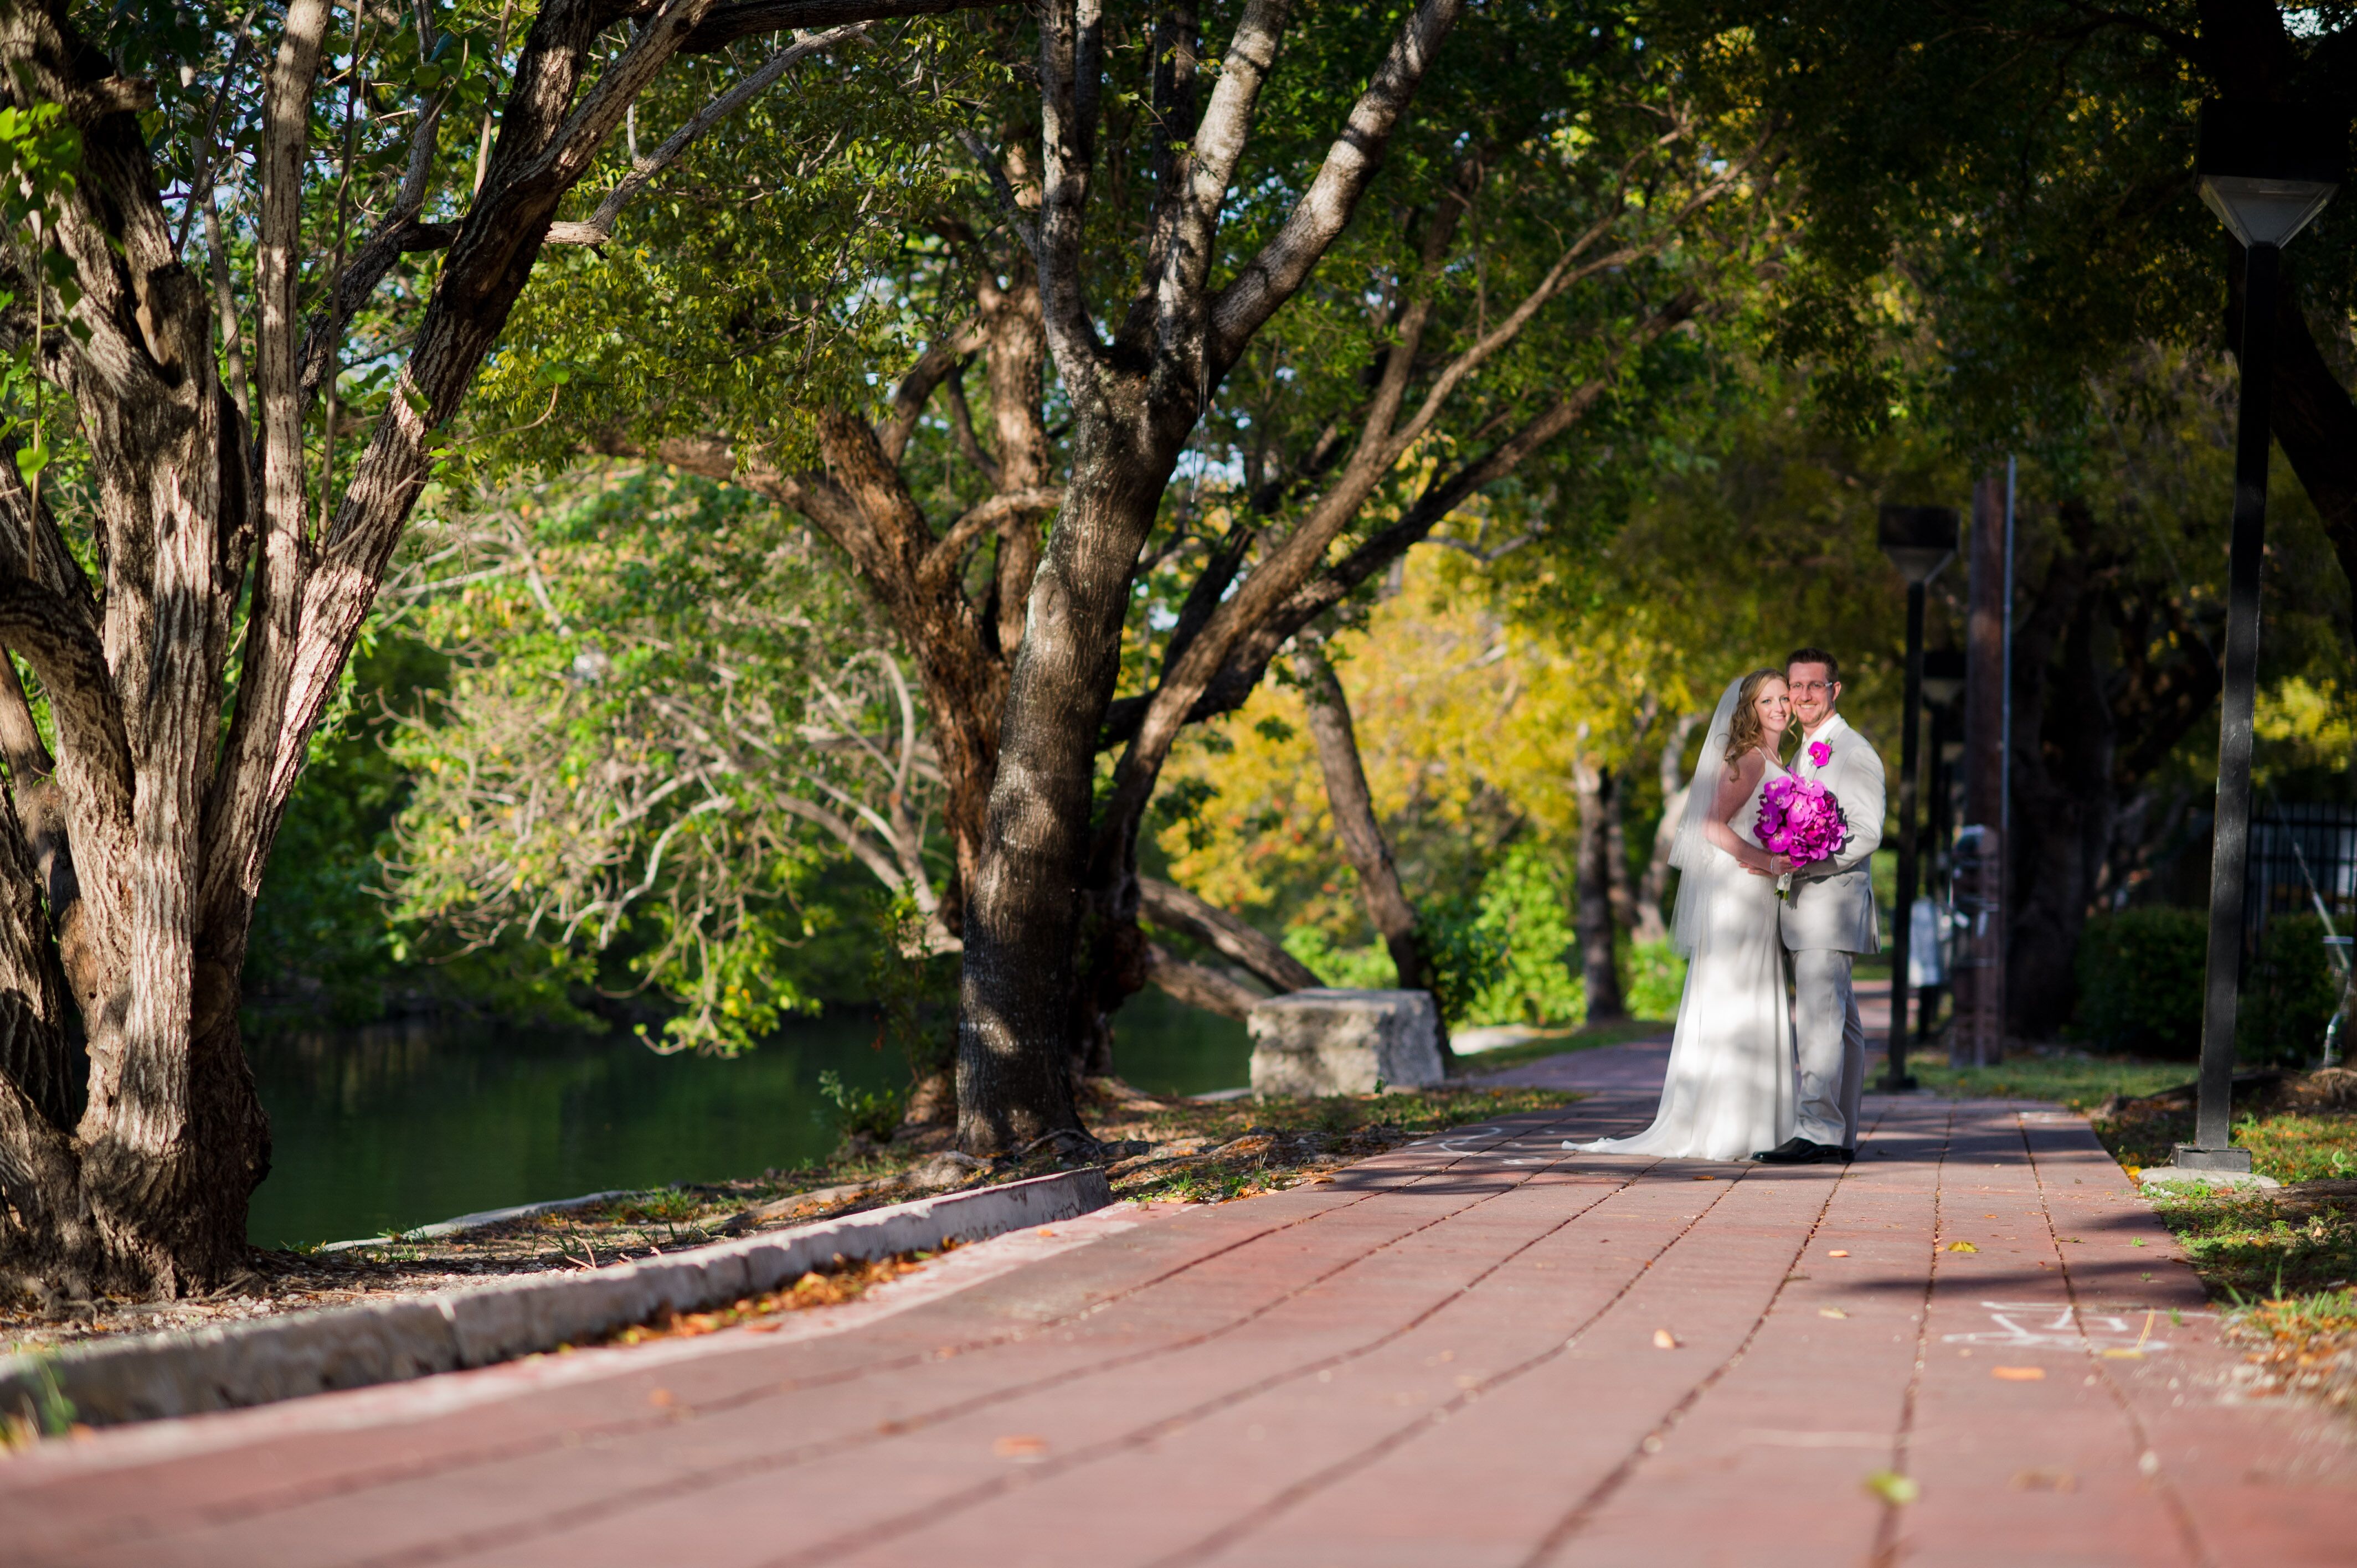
1449 1356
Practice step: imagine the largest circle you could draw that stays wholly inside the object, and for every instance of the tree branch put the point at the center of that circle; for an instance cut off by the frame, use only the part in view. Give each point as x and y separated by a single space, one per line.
1277 272
601 225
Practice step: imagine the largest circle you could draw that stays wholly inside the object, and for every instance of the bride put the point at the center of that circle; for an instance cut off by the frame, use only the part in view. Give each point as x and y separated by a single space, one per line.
1730 1088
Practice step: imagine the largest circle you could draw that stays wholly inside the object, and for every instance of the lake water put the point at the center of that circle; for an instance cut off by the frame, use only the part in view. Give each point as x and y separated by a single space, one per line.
399 1125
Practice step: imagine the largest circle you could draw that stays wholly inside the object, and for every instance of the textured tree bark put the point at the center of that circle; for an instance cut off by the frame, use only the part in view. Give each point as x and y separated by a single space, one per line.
1175 909
1199 985
130 860
1052 940
1592 909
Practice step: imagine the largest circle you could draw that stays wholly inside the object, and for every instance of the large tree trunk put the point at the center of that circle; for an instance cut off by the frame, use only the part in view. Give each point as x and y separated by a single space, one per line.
1052 940
1592 908
1029 914
130 865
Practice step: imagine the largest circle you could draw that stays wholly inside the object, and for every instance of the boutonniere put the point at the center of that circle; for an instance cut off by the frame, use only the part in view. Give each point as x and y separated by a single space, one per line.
1820 753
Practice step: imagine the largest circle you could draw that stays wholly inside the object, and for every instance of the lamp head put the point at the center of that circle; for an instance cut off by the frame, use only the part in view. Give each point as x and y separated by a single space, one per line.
1943 675
2267 170
1920 540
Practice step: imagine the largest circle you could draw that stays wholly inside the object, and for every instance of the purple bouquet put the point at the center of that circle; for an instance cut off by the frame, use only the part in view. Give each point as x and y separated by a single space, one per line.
1800 818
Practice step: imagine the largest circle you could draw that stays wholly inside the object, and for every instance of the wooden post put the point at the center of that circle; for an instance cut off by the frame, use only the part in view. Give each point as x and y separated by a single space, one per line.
1978 1039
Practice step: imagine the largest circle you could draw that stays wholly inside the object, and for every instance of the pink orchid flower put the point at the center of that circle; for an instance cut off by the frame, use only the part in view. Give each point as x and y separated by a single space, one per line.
1820 753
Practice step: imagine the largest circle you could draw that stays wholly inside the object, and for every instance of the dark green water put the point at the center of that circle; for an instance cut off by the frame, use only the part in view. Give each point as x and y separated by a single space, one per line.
399 1125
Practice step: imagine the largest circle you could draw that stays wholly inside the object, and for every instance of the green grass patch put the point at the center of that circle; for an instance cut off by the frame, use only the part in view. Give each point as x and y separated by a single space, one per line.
2079 1080
1581 1039
2257 1247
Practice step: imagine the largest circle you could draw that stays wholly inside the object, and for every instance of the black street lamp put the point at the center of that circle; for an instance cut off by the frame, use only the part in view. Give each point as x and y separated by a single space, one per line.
1920 540
2265 170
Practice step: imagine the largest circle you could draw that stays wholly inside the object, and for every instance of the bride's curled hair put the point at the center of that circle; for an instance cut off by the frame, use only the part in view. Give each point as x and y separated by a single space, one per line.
1743 730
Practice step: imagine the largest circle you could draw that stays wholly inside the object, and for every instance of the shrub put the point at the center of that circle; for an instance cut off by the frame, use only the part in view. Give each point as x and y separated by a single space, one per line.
1513 961
2140 980
2289 994
1653 979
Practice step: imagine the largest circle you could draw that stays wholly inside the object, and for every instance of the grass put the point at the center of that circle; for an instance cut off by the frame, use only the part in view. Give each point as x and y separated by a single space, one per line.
2076 1079
2281 1258
1585 1038
1211 1153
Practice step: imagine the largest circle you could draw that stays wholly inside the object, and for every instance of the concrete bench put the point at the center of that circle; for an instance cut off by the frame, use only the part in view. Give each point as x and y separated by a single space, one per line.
1329 1041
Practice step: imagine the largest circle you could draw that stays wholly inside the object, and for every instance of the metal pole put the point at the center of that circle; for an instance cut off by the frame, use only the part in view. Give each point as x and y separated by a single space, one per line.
1903 921
1935 822
2230 842
2005 784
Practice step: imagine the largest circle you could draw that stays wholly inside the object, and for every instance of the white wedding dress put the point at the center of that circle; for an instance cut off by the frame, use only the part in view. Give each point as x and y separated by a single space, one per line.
1729 1089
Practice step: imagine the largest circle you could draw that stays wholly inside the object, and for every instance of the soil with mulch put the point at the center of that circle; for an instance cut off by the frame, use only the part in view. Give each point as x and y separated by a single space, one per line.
1187 1151
2282 1259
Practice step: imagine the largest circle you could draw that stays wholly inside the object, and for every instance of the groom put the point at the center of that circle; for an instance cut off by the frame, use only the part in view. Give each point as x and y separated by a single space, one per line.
1829 920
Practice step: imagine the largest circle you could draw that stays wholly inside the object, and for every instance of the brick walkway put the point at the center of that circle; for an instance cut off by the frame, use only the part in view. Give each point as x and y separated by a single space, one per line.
1451 1355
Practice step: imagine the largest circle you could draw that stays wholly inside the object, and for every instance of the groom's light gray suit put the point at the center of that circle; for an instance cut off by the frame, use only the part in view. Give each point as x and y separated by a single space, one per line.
1828 919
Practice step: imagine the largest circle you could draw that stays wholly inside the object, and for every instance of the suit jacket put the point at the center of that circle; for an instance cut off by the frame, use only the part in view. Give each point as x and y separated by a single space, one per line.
1832 903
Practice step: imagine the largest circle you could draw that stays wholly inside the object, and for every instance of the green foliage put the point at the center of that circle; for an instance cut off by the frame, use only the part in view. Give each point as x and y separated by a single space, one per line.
914 987
1653 979
1511 963
861 1112
1501 957
2289 994
322 937
659 686
1360 968
40 152
2139 975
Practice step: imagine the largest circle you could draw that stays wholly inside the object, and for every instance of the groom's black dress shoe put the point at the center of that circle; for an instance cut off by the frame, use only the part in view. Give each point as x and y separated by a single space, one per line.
1801 1152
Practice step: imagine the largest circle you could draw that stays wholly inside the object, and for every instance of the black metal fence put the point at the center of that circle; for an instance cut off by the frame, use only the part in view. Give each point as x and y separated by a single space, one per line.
2300 855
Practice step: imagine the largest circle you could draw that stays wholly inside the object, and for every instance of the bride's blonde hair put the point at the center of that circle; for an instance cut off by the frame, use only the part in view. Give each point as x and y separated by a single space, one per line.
1743 729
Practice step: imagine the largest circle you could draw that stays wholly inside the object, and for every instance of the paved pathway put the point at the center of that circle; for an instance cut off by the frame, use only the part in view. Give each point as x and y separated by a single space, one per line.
1476 1351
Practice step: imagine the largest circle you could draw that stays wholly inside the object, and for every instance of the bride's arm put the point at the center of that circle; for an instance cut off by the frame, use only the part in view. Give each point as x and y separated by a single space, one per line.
1734 787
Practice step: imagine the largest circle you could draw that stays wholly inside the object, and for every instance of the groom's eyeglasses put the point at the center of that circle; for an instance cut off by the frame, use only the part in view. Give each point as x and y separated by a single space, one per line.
1820 687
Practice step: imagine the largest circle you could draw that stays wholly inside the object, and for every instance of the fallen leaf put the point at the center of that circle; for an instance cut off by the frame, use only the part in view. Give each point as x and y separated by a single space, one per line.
1892 1488
1839 1252
2045 1481
2123 1355
763 1328
1831 1312
1023 1447
1705 1178
1961 1246
662 1396
1665 1340
2019 1374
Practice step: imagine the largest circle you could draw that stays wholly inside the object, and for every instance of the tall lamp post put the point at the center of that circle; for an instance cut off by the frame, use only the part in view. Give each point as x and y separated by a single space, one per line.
1943 682
2265 170
1920 540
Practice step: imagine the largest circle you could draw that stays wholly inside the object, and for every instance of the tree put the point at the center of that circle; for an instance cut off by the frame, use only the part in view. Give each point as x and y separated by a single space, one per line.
2018 189
667 715
238 539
